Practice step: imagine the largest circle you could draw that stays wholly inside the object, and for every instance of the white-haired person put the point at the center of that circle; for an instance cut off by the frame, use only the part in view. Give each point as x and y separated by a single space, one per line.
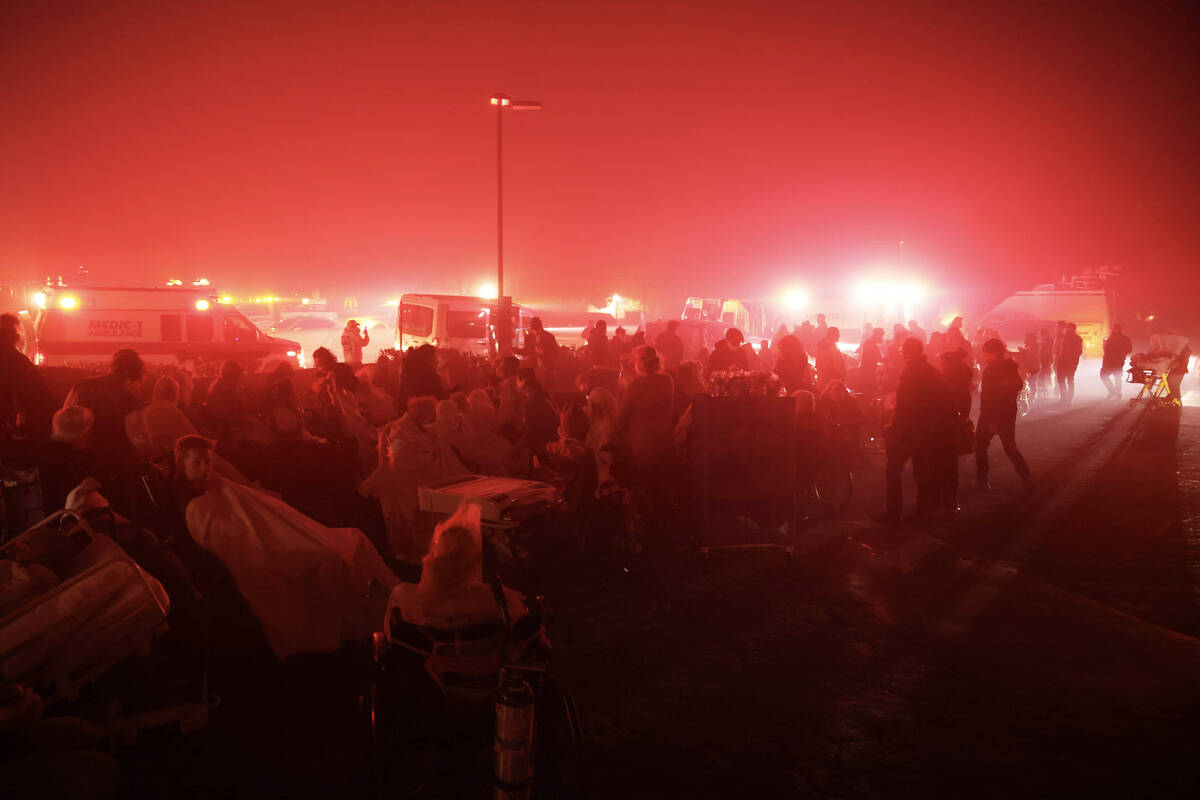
452 601
65 460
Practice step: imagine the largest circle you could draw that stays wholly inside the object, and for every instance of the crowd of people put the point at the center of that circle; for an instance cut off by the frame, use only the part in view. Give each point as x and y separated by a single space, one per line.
316 473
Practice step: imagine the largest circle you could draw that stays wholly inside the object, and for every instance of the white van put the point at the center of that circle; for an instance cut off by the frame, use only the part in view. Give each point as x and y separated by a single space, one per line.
83 327
455 322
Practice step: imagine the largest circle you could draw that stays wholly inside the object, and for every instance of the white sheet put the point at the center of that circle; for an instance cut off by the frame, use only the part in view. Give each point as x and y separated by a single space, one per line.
312 587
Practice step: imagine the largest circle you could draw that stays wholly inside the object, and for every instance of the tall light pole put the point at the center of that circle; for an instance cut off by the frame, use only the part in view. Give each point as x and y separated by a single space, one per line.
503 302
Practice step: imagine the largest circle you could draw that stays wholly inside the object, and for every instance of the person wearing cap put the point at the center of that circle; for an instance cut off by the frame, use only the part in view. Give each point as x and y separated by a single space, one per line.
111 399
1000 385
922 431
353 343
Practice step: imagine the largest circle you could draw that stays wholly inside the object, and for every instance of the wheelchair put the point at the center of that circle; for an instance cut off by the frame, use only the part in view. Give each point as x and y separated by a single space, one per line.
431 729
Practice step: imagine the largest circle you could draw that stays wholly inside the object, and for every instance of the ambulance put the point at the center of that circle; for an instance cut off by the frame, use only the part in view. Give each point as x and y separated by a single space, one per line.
83 326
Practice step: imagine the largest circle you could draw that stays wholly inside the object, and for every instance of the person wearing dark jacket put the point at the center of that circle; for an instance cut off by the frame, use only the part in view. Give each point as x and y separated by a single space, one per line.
597 345
111 399
957 375
1000 385
25 402
729 353
1117 348
419 376
870 357
922 430
1066 361
791 365
670 346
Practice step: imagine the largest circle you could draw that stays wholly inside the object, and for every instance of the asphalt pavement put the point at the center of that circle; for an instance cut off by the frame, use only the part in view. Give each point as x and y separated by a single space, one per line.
1036 644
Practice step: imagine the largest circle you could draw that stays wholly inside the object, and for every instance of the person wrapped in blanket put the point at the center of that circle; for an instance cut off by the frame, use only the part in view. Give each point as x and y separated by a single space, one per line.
471 627
312 588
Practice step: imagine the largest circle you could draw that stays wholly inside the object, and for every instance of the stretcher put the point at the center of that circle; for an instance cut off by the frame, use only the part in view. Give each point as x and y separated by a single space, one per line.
103 609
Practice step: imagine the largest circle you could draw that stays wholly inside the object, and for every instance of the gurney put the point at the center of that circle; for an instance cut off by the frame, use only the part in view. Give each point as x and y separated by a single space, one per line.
103 609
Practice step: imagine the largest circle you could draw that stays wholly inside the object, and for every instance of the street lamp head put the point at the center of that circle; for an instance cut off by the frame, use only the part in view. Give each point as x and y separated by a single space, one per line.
503 102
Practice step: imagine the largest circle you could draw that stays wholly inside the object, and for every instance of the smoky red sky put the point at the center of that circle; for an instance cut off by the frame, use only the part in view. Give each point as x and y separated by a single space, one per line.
725 149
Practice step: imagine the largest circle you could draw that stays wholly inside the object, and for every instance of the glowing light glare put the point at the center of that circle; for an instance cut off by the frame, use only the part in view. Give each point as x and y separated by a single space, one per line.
200 282
39 299
393 302
304 301
912 293
67 302
795 299
225 299
202 305
864 293
487 289
174 282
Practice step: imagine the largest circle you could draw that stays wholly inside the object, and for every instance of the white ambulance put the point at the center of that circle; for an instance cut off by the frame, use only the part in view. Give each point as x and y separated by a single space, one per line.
84 326
455 322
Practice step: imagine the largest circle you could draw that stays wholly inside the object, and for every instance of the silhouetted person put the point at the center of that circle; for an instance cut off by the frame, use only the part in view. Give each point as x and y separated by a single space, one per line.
729 353
831 364
870 358
922 431
419 375
111 398
597 345
540 345
1117 348
1070 350
670 346
26 405
1000 385
791 365
954 338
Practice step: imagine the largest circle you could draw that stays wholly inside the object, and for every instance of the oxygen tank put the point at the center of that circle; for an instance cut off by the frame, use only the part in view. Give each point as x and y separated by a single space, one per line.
513 745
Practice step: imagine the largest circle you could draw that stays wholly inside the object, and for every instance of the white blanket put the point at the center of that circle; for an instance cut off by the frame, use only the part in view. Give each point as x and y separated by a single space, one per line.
311 587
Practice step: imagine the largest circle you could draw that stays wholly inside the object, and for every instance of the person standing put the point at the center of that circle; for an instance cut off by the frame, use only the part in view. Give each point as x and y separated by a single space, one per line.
922 431
646 420
831 364
1031 364
597 345
540 345
1117 348
353 343
26 406
670 346
870 358
791 365
958 375
1045 364
1070 350
1000 385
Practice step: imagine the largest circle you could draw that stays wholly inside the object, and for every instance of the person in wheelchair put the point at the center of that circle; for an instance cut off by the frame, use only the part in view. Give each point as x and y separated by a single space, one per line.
463 628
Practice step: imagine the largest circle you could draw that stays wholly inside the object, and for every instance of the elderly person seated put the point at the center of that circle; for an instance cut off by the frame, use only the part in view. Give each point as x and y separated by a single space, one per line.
165 421
65 460
458 611
311 587
411 454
